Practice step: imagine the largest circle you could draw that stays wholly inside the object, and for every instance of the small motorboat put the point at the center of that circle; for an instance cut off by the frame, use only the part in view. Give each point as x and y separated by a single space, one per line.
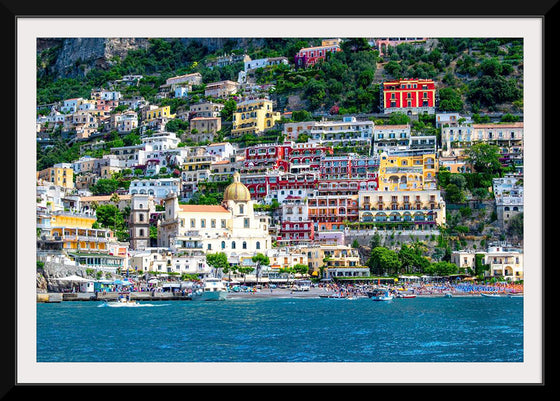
122 300
406 296
381 295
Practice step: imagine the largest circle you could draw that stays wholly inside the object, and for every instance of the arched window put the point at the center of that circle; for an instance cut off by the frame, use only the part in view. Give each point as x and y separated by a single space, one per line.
223 244
232 244
258 245
241 209
244 245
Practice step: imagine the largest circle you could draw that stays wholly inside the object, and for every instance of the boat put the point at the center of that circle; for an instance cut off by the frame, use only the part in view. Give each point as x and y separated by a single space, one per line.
406 296
515 295
213 289
448 295
122 300
490 295
380 295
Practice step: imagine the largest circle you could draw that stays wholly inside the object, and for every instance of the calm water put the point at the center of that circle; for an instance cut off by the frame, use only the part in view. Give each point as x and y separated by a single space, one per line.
467 329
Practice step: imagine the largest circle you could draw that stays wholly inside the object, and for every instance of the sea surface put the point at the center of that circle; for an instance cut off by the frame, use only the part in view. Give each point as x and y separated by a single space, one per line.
459 329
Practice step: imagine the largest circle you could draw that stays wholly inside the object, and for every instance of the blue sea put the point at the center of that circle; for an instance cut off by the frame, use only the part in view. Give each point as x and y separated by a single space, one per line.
459 329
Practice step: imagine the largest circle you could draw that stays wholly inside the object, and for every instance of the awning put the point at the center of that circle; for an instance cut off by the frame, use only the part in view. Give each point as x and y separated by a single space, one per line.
74 278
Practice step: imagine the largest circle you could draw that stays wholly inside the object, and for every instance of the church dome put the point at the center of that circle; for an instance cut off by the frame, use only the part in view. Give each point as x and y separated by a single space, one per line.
236 191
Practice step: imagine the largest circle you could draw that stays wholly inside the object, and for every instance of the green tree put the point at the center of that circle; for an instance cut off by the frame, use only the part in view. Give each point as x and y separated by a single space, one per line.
383 260
218 261
454 194
110 216
450 100
484 158
441 269
104 186
301 269
260 260
398 118
515 226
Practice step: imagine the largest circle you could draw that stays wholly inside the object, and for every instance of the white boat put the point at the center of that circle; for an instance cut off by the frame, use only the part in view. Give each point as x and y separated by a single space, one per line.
213 289
122 301
381 295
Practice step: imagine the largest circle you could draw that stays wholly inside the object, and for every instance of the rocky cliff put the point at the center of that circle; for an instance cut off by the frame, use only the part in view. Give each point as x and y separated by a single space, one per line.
74 57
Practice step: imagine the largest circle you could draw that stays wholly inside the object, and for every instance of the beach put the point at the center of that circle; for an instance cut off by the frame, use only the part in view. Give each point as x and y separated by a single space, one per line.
461 290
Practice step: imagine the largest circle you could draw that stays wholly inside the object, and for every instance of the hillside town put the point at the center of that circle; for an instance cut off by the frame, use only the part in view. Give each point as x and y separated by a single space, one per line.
163 191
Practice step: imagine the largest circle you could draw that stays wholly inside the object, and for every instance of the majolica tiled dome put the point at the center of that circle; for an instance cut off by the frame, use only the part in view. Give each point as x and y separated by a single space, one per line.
236 191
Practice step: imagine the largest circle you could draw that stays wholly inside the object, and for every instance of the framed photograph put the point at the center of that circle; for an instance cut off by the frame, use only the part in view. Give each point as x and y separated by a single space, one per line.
297 168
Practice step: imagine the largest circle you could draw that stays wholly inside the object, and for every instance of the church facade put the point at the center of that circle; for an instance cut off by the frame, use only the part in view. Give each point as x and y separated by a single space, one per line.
231 228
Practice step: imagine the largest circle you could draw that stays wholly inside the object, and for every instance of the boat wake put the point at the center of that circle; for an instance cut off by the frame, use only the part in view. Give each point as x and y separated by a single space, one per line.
121 305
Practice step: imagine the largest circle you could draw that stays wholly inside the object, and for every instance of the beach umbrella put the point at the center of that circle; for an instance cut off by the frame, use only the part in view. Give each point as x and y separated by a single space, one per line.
122 282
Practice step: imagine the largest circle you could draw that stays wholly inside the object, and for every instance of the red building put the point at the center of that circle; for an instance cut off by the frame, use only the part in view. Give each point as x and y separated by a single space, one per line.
261 184
309 56
296 228
267 156
410 96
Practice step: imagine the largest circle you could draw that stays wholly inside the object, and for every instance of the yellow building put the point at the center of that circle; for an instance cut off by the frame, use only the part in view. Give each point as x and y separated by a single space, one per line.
422 209
407 173
159 112
61 175
71 231
253 117
335 261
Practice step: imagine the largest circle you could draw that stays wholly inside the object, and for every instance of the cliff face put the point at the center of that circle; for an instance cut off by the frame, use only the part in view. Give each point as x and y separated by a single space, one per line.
74 57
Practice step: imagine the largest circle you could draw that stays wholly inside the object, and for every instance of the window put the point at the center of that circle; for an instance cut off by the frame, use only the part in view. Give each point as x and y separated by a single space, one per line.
258 245
223 245
223 223
203 223
241 209
213 223
193 223
246 223
232 244
244 245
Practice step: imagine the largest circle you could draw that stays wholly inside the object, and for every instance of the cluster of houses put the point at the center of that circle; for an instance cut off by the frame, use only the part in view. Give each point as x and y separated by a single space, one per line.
300 202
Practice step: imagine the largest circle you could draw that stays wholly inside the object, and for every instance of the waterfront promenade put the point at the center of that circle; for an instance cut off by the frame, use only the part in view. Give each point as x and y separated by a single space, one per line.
430 290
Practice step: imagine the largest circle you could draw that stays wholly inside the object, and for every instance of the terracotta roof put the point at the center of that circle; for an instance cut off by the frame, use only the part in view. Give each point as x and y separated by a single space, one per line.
499 125
203 209
101 198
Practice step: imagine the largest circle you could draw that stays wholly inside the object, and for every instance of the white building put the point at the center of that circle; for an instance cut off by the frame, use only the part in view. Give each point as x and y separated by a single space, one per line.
159 188
348 132
504 262
232 227
508 193
222 150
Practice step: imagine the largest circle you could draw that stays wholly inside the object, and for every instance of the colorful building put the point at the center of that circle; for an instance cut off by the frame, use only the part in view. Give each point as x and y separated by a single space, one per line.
296 227
60 174
420 209
253 117
408 173
409 96
309 56
347 133
155 113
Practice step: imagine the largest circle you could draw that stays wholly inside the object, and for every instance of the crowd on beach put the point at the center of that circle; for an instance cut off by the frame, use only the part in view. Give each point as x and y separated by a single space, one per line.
354 289
457 288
